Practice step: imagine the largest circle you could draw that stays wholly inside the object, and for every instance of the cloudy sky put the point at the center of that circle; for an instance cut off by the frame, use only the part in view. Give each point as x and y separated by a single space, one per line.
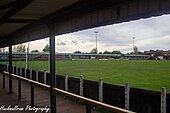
151 33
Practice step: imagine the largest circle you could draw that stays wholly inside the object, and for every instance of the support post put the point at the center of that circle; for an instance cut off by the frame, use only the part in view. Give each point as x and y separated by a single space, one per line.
36 75
3 81
88 108
127 92
31 74
52 71
13 69
20 71
81 85
16 70
163 100
19 90
25 72
45 77
32 95
19 84
66 82
7 68
10 69
100 90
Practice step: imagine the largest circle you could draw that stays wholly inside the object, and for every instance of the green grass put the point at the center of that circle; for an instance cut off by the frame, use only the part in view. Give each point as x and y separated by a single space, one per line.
142 74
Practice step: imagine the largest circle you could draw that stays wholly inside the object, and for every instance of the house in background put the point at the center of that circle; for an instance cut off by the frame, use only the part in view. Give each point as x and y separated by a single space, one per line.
158 54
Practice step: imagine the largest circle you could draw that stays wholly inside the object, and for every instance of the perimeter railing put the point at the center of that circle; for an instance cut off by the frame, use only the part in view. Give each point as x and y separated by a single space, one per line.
88 102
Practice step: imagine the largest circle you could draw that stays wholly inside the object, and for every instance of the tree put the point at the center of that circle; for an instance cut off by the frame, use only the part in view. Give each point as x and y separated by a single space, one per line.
106 52
116 52
113 52
20 48
135 50
140 53
46 48
77 52
94 51
34 51
131 53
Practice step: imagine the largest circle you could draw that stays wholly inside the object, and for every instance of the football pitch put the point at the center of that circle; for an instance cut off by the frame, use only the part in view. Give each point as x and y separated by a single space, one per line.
144 74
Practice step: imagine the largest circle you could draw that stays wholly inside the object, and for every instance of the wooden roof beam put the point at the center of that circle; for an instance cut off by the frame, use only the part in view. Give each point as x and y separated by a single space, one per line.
16 8
17 20
7 5
19 6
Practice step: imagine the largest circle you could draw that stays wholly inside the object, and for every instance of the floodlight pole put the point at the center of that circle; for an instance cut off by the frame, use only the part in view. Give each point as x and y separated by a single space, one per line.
96 32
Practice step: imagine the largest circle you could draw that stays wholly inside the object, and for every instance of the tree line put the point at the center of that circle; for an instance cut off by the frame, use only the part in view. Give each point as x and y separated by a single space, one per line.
22 48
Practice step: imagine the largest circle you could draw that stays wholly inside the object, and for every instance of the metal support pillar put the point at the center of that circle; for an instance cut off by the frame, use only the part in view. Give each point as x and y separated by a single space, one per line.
20 71
45 77
13 69
19 90
16 70
3 81
52 72
66 82
81 85
127 93
32 95
10 69
88 108
37 75
100 90
163 100
25 73
31 74
7 68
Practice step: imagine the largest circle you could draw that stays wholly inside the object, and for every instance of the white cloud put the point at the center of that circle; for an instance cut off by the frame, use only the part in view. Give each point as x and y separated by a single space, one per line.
151 33
38 44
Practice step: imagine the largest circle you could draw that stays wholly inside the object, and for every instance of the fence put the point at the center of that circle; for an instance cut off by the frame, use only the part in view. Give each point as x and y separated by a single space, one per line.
134 99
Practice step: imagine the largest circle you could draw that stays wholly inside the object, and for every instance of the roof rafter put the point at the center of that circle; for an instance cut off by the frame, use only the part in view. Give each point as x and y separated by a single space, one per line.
79 7
16 8
17 20
8 5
